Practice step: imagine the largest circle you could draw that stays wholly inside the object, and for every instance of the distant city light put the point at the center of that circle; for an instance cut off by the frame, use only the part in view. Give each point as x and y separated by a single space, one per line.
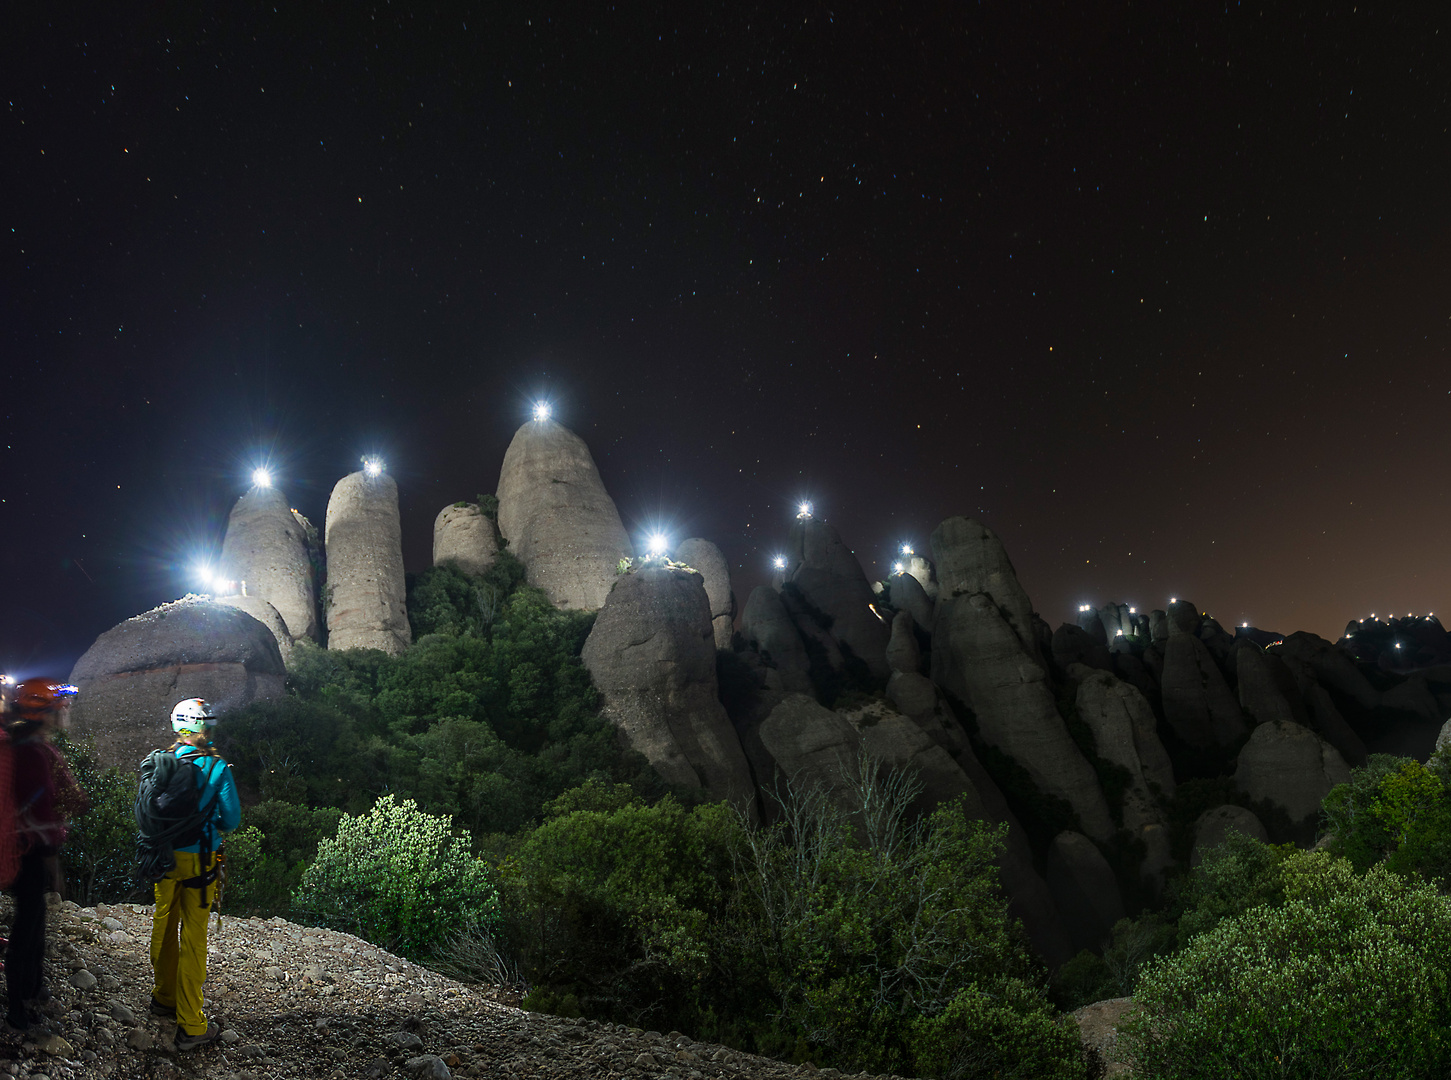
779 562
373 466
657 545
541 410
262 478
803 510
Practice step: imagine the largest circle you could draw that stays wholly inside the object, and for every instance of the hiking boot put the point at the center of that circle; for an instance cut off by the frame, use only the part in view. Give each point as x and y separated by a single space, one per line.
191 1042
166 1011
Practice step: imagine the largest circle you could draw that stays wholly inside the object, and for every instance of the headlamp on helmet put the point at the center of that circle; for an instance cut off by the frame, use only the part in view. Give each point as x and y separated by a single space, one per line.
36 697
192 716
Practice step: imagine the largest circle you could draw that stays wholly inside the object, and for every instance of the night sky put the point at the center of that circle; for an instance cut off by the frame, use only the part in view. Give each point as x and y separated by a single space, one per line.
1160 292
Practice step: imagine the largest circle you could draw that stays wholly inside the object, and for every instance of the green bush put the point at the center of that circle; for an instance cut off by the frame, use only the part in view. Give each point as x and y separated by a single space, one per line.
1237 874
399 878
1006 1033
1350 976
100 853
1396 810
267 856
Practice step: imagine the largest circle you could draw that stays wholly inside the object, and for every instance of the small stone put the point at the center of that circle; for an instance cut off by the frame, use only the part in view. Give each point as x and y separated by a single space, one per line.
273 972
55 1046
112 924
110 982
251 1050
428 1067
645 1061
377 1069
121 1014
139 1039
404 1040
119 937
451 1060
230 1037
83 980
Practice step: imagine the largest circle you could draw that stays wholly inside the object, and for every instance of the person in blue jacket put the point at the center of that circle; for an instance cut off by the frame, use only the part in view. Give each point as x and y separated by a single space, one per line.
184 896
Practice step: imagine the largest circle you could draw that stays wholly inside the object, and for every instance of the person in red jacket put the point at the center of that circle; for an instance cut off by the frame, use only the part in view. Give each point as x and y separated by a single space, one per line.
44 795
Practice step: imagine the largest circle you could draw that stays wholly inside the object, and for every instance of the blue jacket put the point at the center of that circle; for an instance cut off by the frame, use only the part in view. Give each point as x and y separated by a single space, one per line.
218 790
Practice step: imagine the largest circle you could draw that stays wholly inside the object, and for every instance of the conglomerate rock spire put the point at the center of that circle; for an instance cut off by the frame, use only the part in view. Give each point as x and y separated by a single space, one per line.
365 586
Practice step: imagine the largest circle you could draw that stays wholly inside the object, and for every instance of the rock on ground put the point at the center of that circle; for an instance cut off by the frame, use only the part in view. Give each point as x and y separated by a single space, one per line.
294 1001
137 671
558 518
704 556
266 548
651 653
464 537
366 593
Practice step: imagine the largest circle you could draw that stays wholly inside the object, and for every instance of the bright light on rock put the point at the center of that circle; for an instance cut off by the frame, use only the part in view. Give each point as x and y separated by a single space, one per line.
541 410
373 466
262 478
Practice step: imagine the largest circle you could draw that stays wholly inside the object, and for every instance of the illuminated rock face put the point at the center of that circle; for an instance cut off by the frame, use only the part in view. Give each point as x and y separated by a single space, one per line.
268 616
136 672
365 586
266 548
707 558
1290 766
651 653
464 537
557 517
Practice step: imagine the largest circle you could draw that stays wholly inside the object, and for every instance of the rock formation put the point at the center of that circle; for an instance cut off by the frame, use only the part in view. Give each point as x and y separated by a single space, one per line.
830 580
1215 824
903 652
1084 888
1198 704
266 548
908 595
365 585
707 558
971 559
651 653
268 616
767 627
1267 690
1123 727
558 518
137 671
463 536
1290 766
807 745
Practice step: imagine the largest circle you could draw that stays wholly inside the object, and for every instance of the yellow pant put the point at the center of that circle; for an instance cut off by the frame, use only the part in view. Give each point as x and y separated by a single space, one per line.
179 942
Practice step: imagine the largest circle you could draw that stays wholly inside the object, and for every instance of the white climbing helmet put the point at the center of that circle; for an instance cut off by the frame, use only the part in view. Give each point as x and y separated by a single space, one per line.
192 716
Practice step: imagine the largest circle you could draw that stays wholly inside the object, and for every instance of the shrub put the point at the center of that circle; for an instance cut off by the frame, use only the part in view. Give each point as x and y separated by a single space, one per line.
1006 1033
100 852
1396 810
1349 977
267 856
399 878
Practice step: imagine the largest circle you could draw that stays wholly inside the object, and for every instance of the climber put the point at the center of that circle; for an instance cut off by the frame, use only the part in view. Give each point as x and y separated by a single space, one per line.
184 895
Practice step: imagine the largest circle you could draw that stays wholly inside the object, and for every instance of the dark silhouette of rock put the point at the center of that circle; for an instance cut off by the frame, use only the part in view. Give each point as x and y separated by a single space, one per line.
921 571
1290 766
1184 618
831 581
1117 621
977 656
707 558
1075 645
463 537
900 743
903 652
1327 722
808 745
1413 696
137 671
1217 640
1214 825
266 547
1158 626
768 627
1267 689
651 653
971 559
1313 659
908 595
1198 704
917 698
558 518
1124 731
366 594
1085 890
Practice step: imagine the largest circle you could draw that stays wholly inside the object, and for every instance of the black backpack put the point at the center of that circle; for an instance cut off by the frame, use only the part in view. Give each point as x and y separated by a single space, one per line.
169 813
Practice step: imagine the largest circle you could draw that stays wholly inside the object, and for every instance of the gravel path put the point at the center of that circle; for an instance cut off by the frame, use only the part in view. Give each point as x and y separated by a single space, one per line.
295 1001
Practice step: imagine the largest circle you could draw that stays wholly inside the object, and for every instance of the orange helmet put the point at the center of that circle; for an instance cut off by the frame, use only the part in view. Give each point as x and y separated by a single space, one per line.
36 697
